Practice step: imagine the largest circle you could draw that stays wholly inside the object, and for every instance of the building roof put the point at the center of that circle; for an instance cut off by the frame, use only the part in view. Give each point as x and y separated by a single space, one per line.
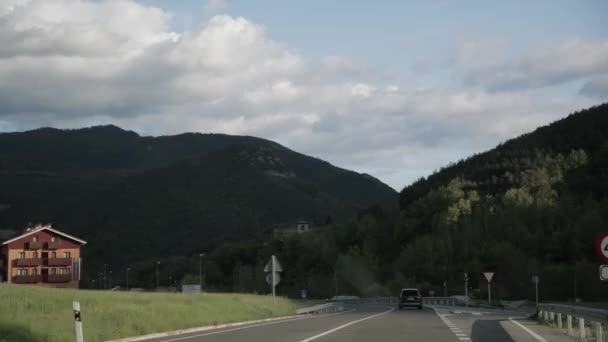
41 228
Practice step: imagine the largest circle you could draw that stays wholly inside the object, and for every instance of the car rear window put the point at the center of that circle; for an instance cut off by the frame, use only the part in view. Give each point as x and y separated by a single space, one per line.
409 293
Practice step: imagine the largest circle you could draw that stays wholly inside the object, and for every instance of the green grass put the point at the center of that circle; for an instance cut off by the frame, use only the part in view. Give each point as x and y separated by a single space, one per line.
29 314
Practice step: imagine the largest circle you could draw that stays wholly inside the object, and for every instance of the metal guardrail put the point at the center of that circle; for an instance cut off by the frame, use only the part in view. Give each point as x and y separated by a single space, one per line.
448 301
553 313
321 309
371 301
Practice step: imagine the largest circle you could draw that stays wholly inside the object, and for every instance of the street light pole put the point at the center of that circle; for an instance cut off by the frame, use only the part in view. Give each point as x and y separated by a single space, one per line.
157 274
128 269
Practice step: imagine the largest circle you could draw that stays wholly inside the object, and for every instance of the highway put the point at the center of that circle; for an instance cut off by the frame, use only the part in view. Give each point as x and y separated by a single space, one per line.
379 324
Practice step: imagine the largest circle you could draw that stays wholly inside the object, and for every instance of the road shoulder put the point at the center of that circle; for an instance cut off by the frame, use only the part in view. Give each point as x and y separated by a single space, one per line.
517 329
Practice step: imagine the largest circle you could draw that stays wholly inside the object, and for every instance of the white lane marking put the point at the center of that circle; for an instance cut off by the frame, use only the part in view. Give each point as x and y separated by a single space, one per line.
345 325
456 331
532 333
251 326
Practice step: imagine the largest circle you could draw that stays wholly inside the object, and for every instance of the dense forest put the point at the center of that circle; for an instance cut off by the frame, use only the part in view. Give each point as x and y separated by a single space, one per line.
532 206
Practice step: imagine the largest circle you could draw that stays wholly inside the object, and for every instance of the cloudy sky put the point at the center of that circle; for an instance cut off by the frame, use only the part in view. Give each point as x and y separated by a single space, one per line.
392 88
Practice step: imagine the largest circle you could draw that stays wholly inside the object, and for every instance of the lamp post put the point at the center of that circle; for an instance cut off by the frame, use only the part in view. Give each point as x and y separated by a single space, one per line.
128 269
200 271
157 274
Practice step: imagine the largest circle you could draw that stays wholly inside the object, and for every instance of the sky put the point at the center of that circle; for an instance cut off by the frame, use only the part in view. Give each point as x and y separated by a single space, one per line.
395 89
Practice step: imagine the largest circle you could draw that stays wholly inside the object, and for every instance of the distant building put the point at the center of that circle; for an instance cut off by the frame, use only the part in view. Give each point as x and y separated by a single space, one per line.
300 227
41 256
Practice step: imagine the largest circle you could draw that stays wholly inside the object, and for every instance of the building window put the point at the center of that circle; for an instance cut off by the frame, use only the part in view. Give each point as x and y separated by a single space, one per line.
53 271
67 254
21 255
35 239
35 255
53 255
22 272
53 239
64 270
35 271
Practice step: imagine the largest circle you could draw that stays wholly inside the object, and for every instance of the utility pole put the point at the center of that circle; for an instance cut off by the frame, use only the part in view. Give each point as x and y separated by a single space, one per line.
105 267
157 274
128 269
200 271
466 287
336 281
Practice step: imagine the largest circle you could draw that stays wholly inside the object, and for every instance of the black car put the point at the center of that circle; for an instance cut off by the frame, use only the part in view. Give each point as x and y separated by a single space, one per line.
410 297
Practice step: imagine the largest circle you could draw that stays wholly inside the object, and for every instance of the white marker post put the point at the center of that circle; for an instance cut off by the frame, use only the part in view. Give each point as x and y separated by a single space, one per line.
78 321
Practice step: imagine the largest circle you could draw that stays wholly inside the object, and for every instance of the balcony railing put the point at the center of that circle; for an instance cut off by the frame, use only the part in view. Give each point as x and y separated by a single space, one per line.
58 262
27 279
58 278
27 262
35 245
53 245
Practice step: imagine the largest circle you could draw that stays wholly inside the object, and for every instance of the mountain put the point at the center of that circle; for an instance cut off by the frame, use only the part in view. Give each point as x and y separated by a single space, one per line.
135 197
533 205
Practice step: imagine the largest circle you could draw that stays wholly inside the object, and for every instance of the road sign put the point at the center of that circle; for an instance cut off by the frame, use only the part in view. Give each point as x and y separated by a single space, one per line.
604 272
535 279
488 275
191 288
601 246
277 279
277 266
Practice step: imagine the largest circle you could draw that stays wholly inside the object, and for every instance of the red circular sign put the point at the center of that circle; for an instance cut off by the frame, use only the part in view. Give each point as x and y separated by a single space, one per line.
601 246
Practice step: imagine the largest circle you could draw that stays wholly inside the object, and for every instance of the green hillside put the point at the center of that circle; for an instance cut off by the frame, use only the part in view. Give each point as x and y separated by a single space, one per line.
532 206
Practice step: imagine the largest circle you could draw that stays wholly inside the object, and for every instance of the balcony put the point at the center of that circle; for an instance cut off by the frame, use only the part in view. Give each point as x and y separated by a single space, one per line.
58 262
53 245
35 245
27 262
58 278
27 279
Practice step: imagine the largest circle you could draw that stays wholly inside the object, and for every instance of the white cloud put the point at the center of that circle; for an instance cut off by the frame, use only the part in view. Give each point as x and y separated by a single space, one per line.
72 63
545 66
476 51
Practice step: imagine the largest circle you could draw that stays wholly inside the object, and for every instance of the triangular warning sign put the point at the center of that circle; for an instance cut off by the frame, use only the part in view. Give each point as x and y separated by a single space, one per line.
488 275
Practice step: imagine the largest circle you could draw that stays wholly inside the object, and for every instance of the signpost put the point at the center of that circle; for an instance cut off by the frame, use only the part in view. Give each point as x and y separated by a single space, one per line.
601 248
191 288
273 279
535 280
489 276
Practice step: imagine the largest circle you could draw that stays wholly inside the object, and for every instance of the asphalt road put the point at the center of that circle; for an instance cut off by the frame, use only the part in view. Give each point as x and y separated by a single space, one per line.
375 324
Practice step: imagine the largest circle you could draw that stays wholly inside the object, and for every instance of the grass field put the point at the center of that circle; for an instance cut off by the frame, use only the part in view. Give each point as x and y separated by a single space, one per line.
29 314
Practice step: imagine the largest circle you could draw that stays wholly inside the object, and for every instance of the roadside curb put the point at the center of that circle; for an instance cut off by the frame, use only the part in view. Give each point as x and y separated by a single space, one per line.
199 329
